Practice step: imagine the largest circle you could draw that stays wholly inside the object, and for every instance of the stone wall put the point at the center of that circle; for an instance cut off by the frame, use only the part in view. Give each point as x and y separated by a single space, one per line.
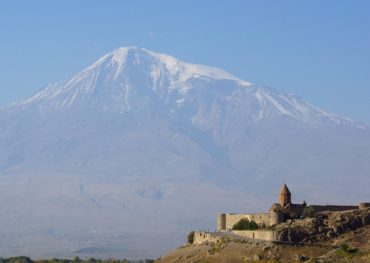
218 237
227 221
206 237
221 222
364 205
232 219
266 235
333 208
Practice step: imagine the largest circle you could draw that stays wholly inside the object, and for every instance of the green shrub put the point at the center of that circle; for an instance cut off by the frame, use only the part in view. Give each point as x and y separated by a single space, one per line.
16 260
191 237
308 211
245 224
346 251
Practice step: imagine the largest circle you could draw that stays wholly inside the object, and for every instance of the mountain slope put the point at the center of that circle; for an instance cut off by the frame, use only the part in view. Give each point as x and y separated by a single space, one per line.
141 145
127 78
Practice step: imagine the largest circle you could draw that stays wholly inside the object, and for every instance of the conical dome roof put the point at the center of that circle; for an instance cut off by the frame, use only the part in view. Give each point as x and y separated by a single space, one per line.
285 190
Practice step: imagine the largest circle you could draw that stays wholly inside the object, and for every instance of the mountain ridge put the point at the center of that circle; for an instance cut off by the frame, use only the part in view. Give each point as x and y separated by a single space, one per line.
176 76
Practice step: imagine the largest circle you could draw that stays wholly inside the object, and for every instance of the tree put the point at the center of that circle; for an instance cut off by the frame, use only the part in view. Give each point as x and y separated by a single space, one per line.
191 237
308 211
245 224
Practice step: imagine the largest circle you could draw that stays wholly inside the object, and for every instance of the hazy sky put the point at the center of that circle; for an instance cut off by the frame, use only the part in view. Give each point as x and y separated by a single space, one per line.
319 50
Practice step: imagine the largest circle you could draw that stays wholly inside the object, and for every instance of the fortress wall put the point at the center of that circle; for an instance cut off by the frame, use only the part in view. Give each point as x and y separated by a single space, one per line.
267 235
260 218
232 219
319 208
218 237
364 205
203 237
221 222
276 218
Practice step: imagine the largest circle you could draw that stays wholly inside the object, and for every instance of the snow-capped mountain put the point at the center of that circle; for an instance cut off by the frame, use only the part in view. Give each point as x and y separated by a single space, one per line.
120 79
140 147
130 78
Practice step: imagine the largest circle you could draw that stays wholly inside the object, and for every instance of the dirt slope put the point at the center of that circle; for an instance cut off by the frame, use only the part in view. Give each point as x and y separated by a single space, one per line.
352 246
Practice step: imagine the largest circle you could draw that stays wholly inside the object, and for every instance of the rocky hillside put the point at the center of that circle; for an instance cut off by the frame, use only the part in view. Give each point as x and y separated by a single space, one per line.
329 237
323 227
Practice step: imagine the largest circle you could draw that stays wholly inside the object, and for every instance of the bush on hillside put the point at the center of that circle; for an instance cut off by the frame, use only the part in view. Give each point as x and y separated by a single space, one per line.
245 224
191 237
346 251
308 211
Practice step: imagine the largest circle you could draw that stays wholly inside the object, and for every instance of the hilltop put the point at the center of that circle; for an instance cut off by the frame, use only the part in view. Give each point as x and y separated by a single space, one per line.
351 242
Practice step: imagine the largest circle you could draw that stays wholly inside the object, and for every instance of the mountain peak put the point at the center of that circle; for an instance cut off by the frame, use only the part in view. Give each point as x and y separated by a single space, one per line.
124 56
134 78
121 71
119 54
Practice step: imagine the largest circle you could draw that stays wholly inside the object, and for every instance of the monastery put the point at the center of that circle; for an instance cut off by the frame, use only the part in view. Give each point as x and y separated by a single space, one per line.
281 212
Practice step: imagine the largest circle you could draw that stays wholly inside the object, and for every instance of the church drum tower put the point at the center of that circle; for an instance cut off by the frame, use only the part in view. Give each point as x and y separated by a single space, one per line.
285 196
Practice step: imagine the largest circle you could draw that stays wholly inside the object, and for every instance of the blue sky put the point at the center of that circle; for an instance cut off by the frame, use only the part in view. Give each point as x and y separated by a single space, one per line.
319 50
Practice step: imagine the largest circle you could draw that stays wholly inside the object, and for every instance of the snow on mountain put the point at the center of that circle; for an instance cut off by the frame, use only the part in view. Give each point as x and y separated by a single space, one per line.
118 68
115 80
139 148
